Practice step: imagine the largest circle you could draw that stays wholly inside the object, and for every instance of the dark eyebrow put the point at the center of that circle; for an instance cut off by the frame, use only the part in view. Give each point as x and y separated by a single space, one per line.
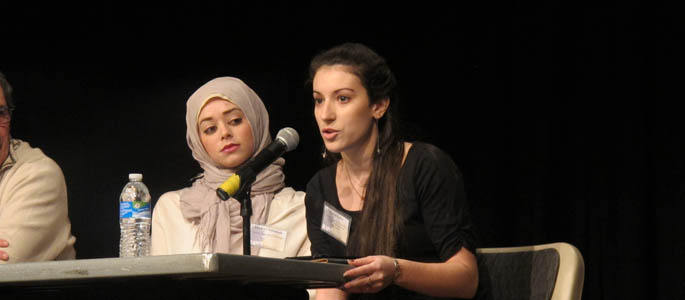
224 113
337 91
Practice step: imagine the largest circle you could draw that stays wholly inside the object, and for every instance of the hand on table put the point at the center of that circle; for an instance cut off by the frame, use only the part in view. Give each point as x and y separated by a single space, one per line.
372 274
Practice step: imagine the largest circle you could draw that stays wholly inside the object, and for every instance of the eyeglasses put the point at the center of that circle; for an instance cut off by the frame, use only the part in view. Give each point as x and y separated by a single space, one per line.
5 114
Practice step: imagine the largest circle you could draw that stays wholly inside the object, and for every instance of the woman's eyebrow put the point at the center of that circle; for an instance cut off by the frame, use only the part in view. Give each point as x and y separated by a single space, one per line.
224 113
336 91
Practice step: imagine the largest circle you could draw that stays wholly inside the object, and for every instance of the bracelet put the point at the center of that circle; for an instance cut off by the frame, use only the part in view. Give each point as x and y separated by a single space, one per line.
398 270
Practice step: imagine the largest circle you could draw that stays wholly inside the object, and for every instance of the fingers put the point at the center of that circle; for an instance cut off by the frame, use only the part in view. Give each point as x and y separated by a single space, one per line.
362 261
358 271
3 255
372 274
363 267
363 284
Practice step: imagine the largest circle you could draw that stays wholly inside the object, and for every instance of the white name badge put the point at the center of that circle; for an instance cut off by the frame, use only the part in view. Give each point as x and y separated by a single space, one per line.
336 223
267 237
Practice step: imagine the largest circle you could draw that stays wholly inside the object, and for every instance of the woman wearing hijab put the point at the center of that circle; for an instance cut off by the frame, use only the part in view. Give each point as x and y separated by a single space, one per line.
227 124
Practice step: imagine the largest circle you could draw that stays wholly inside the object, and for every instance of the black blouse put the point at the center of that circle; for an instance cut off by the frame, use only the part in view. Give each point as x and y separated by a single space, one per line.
433 203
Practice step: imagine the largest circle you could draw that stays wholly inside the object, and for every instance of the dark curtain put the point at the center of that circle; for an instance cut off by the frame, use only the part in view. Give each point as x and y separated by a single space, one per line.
563 116
579 139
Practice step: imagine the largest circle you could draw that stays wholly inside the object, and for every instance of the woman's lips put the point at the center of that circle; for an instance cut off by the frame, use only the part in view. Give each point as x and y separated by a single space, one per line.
329 134
230 148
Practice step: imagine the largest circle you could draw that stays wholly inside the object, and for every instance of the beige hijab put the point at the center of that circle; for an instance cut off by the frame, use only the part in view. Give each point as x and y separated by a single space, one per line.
220 223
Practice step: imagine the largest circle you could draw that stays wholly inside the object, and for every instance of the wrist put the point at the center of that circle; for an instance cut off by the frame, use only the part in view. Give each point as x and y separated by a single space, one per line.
398 270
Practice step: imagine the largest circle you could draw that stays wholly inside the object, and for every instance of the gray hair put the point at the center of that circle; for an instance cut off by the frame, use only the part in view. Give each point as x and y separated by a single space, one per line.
6 90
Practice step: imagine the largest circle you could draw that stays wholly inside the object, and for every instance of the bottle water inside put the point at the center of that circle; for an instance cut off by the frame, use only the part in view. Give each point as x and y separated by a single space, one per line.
134 218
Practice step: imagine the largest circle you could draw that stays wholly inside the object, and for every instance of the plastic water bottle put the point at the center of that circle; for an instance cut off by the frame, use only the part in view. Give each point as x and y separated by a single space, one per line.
134 218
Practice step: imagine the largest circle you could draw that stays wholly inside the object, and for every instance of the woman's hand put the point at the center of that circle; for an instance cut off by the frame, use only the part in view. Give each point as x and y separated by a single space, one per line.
3 255
372 274
455 278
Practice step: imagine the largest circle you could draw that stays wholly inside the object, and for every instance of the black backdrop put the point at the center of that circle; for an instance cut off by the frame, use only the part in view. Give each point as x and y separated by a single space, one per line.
562 116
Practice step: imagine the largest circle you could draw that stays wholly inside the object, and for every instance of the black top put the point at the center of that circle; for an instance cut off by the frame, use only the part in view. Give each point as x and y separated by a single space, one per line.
434 208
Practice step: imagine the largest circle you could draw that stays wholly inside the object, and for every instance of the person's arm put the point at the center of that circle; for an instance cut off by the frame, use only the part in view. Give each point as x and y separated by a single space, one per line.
34 217
170 232
455 278
330 294
287 213
439 191
158 241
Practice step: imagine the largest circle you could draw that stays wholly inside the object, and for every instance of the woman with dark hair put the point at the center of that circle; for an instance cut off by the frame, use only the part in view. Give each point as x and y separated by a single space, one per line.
398 207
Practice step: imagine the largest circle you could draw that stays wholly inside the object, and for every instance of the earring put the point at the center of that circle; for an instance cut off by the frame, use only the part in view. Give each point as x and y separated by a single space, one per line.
378 139
323 154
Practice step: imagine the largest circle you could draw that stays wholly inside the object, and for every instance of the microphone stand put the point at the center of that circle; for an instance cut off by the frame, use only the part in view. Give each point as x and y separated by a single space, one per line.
243 197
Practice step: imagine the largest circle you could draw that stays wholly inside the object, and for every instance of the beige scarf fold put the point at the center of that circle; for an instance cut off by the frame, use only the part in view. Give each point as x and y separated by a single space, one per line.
220 223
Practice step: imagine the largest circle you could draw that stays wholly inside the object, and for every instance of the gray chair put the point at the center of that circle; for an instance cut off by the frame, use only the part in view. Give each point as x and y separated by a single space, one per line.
542 272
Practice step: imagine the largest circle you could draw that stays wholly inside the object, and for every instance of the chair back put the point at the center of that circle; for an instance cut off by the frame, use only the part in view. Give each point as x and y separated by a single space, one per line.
540 272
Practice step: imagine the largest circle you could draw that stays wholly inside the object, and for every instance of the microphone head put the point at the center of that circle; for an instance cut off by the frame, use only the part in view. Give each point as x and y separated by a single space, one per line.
289 137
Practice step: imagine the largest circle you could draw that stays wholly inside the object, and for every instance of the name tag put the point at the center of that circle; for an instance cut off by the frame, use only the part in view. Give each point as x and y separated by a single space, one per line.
336 223
267 237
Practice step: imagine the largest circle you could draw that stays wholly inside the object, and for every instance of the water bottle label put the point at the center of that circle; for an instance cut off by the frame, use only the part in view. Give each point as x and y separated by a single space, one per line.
141 209
135 209
125 210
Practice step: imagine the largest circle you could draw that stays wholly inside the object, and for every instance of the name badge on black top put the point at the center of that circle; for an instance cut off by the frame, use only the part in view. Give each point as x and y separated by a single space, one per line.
336 223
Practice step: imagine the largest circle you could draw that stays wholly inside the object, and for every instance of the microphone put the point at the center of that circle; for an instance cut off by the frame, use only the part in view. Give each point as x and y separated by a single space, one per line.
286 140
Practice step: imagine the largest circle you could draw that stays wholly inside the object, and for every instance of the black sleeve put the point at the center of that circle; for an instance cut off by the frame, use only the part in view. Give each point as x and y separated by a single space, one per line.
440 191
314 211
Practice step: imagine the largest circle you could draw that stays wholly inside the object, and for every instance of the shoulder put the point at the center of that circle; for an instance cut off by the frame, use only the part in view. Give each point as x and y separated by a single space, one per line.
34 159
321 188
321 178
427 165
32 179
32 168
427 155
169 200
425 150
167 208
286 208
289 195
169 204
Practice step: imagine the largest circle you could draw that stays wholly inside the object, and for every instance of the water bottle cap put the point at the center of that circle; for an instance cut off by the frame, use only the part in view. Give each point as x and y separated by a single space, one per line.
135 176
